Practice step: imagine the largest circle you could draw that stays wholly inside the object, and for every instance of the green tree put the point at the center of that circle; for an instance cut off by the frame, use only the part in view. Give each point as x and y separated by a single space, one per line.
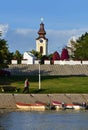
10 57
38 55
4 53
43 58
17 56
81 52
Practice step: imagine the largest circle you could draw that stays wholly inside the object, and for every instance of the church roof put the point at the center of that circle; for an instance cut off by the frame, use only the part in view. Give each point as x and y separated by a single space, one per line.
30 54
42 31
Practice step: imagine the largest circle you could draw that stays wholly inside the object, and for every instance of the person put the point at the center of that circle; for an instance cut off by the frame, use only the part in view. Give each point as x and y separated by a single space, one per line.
26 86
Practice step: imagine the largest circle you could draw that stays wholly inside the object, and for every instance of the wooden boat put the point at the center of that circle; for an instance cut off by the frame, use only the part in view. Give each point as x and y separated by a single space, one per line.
34 107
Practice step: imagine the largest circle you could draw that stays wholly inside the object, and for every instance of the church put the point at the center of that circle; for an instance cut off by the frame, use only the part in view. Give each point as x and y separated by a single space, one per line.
42 41
41 45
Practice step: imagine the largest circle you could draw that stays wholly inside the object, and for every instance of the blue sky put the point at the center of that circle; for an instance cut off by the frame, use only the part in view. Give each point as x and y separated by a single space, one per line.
63 19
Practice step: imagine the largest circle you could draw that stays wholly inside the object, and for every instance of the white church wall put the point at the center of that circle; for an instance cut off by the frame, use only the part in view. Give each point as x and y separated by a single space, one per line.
57 62
47 62
36 61
31 61
14 62
71 62
85 62
24 61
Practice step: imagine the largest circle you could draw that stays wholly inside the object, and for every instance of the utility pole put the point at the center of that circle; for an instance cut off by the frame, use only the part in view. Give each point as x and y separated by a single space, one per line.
39 76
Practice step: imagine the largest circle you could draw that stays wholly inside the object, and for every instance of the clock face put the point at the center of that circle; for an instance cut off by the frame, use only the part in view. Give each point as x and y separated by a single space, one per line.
41 40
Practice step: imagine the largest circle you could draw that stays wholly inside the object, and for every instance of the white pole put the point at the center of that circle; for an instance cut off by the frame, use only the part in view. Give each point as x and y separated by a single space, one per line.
39 77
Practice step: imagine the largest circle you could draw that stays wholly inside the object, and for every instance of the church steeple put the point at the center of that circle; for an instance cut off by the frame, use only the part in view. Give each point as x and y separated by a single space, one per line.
41 31
42 41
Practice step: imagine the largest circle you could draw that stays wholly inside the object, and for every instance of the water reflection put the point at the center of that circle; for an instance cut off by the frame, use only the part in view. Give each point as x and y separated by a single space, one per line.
49 120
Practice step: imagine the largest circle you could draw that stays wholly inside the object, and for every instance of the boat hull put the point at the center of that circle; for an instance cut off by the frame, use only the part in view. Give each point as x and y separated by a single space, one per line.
75 107
57 105
31 107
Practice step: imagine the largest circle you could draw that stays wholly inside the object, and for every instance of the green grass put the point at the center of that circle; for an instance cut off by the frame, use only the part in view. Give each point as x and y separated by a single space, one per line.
49 84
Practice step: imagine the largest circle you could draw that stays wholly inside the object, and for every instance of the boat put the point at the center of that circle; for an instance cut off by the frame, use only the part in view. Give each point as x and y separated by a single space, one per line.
62 105
57 105
28 106
54 105
74 106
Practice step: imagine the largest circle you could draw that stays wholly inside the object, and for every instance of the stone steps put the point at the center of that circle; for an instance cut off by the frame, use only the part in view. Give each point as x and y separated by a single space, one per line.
49 69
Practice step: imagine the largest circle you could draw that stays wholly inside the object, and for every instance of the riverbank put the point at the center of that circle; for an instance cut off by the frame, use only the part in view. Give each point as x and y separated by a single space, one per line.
8 101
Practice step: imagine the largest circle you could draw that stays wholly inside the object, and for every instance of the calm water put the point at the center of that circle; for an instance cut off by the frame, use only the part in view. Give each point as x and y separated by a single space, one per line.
49 120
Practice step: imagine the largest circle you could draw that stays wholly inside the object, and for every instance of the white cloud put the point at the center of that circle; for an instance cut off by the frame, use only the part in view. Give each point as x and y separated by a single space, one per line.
59 38
24 32
24 39
4 29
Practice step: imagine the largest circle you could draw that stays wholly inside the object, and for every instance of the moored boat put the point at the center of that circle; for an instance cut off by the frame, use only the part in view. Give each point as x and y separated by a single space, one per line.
74 106
57 105
34 107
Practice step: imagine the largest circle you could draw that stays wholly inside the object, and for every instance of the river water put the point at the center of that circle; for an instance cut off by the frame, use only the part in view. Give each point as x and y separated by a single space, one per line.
48 120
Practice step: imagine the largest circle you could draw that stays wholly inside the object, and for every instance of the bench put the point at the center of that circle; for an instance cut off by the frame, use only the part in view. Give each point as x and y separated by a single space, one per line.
9 89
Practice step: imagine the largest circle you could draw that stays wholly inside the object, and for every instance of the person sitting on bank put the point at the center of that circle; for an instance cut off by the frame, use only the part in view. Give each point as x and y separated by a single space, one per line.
26 86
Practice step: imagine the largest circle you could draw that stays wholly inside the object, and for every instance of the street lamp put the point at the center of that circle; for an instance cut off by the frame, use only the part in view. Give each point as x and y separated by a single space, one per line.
39 77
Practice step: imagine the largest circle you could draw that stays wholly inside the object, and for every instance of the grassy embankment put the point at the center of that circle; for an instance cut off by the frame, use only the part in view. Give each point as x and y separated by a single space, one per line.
49 84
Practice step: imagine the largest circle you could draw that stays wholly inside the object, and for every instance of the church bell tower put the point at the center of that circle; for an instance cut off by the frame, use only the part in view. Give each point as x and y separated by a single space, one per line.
42 41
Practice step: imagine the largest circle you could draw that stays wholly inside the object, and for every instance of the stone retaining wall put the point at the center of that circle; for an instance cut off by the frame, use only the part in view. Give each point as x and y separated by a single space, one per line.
62 70
9 100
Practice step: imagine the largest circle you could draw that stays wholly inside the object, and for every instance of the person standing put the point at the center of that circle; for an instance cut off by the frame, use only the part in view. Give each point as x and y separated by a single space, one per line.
26 86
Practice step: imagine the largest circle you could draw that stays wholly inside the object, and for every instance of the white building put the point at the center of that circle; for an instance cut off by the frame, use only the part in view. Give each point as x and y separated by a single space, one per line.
28 58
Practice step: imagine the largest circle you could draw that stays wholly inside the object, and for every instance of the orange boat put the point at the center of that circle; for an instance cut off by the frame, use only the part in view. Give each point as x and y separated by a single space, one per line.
34 107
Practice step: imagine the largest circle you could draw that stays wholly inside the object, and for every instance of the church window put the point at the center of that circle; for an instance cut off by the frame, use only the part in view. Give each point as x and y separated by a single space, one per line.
41 49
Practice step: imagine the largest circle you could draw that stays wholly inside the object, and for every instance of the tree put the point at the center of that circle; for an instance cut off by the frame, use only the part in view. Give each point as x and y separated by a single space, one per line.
35 53
4 53
71 47
0 33
18 56
55 56
64 54
38 55
81 52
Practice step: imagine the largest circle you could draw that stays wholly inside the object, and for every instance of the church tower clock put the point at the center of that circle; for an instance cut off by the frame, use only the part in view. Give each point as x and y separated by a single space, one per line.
42 41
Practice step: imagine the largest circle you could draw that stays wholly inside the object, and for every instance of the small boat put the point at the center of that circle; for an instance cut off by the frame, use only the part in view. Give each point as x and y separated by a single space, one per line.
74 106
82 105
57 105
34 107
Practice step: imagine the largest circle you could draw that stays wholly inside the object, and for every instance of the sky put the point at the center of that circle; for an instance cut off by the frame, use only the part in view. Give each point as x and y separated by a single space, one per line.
63 19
